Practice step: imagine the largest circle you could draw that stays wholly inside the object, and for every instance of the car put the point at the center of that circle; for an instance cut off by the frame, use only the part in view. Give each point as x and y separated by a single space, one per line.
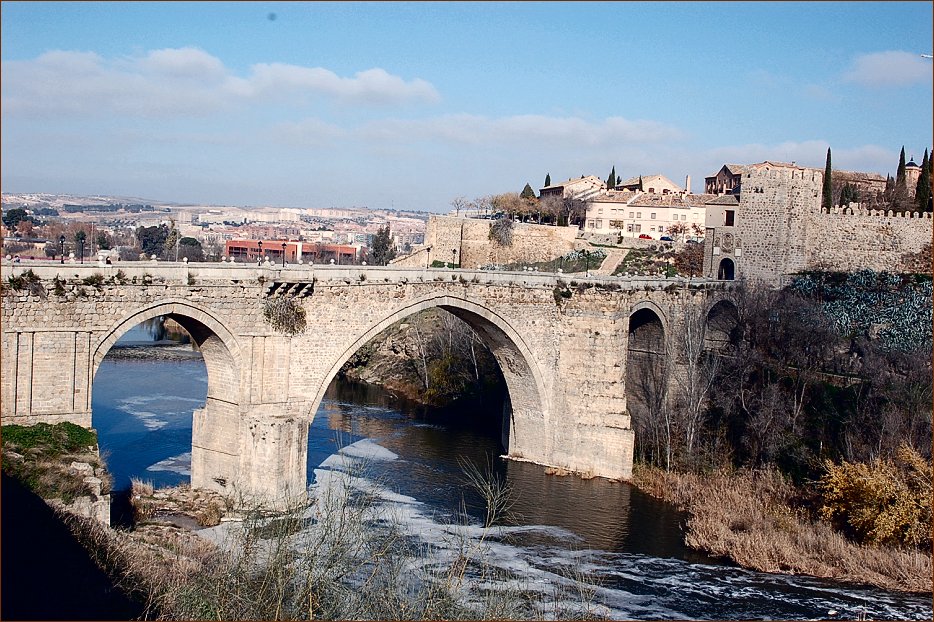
645 236
666 238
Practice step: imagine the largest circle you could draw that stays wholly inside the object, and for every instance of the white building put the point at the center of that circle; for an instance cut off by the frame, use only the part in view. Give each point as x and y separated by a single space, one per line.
637 213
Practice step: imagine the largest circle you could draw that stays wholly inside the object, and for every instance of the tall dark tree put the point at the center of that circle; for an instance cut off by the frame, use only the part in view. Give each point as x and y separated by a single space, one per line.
14 217
849 194
382 250
547 179
827 197
900 200
527 192
152 239
923 190
641 189
611 180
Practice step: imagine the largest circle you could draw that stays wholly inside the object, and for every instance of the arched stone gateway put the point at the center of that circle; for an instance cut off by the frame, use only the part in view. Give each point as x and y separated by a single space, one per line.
727 270
562 348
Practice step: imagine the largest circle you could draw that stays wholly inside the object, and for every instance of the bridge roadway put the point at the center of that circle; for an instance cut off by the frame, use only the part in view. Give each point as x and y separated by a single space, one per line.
561 342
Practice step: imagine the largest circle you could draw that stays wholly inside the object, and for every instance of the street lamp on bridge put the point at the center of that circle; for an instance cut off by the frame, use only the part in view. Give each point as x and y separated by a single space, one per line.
61 240
283 253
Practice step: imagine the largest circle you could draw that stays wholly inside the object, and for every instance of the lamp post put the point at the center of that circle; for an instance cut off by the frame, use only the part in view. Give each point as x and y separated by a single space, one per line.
81 249
453 258
284 245
61 240
428 260
260 244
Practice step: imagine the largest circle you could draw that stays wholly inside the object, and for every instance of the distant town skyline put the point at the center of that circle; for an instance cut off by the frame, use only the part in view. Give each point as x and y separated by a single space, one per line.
409 105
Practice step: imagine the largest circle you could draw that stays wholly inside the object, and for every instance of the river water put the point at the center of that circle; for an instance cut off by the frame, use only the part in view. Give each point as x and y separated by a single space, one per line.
626 545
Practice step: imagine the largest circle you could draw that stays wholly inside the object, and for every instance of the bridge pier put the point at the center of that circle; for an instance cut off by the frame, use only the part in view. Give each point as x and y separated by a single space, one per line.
258 459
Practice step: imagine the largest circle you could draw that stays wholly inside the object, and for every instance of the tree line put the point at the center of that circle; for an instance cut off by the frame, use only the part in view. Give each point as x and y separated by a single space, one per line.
897 195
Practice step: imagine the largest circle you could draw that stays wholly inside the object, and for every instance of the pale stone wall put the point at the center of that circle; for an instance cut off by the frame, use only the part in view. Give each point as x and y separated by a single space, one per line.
470 237
853 239
563 360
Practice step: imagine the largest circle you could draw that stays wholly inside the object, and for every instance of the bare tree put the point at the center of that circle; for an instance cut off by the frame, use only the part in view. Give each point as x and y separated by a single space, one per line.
696 371
459 203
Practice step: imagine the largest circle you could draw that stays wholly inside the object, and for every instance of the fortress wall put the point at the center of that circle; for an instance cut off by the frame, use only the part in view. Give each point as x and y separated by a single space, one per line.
853 239
772 221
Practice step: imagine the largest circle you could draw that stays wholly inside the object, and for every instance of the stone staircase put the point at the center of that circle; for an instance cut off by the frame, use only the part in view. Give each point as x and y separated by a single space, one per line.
613 259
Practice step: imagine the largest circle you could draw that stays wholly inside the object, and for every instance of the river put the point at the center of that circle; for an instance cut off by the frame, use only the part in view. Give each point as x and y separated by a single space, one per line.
627 545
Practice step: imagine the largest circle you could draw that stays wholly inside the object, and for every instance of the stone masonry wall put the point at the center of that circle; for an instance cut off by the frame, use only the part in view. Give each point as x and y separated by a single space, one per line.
859 240
781 229
772 221
470 237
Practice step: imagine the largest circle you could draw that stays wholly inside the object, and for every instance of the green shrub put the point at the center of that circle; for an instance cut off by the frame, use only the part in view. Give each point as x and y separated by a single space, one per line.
95 280
51 439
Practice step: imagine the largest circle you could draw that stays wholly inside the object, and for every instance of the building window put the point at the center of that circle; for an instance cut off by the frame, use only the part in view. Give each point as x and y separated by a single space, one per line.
728 220
629 228
674 217
661 228
632 214
638 214
638 228
684 217
652 217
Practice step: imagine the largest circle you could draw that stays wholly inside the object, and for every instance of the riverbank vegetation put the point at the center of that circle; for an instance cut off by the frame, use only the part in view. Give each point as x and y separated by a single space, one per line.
44 457
795 427
342 555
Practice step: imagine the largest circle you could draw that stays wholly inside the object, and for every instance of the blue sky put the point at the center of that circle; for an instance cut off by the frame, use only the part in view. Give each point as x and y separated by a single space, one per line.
409 105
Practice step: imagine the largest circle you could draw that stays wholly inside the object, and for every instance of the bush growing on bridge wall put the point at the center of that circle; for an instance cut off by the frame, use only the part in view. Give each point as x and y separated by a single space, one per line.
285 315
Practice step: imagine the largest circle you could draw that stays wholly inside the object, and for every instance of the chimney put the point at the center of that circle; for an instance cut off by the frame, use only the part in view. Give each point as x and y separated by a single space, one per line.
687 184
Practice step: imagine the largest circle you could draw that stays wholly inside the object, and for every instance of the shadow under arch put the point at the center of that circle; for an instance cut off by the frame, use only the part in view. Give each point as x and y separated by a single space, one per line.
526 412
726 270
721 331
647 376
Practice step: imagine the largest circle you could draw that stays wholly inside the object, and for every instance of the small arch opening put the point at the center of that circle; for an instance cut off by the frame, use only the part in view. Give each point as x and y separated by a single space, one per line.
727 270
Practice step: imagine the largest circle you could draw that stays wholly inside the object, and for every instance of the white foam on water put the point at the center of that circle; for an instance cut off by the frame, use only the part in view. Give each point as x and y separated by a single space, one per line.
620 586
180 464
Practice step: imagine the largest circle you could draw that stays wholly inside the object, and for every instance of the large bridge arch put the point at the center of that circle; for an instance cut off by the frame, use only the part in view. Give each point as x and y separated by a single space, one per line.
524 431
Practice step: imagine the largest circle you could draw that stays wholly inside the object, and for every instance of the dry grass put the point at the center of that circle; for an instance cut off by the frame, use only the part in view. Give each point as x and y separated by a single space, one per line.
749 517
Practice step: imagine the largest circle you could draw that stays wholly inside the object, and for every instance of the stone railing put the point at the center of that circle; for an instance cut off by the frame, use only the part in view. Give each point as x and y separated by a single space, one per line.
150 273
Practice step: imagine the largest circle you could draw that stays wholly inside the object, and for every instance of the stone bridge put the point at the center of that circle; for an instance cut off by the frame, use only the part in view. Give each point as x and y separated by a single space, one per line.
561 342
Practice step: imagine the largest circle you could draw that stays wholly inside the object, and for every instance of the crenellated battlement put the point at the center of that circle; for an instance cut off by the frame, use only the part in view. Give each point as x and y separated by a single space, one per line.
855 209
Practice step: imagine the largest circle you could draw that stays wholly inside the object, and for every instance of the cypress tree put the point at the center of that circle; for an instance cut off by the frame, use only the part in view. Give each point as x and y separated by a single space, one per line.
827 197
527 192
923 190
641 189
547 179
611 179
900 201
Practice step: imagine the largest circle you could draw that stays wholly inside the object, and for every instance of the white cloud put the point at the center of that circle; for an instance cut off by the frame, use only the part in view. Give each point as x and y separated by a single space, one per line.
888 69
521 131
183 81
